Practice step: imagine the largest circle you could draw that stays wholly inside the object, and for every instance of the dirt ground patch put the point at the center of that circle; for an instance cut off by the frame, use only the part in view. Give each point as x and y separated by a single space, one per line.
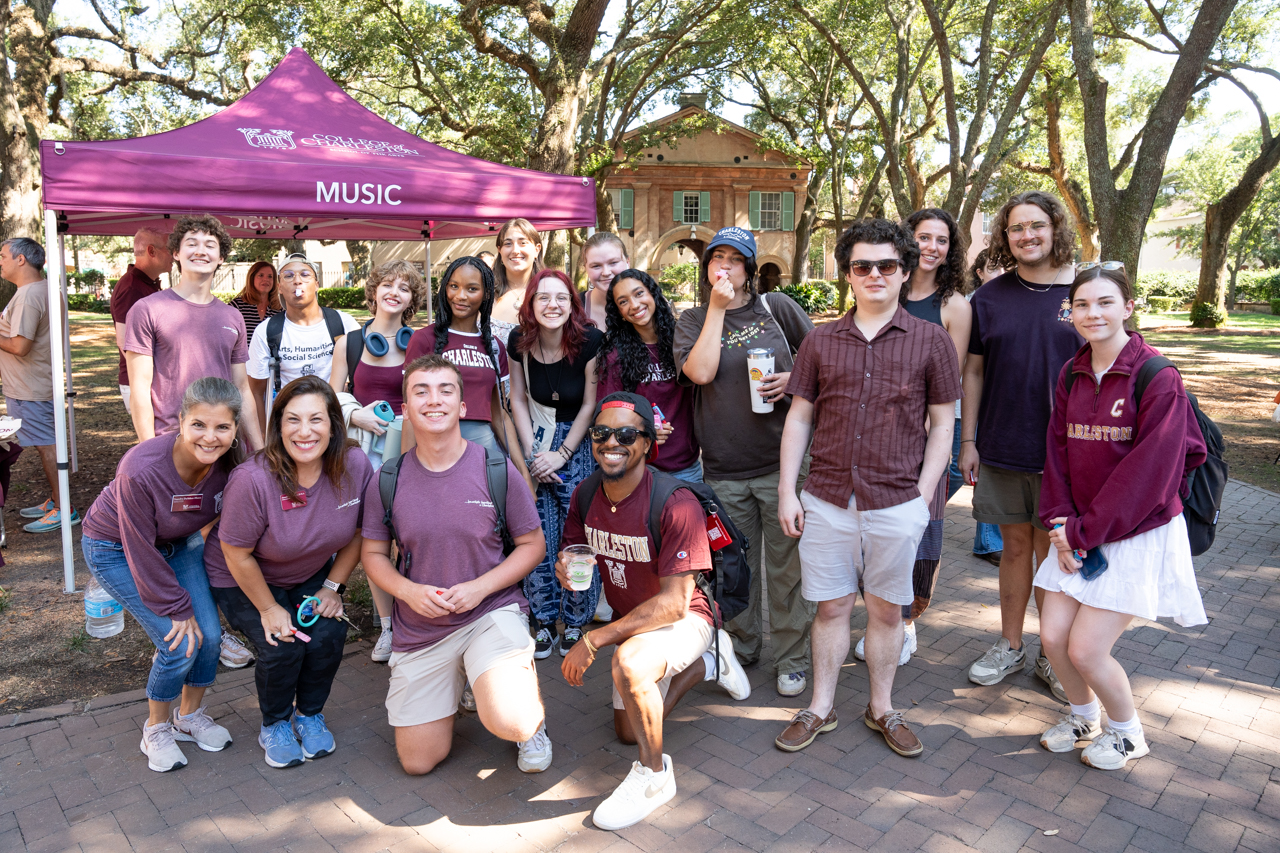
46 658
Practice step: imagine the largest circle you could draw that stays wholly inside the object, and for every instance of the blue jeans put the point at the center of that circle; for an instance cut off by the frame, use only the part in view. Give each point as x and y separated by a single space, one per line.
692 474
986 539
171 670
547 599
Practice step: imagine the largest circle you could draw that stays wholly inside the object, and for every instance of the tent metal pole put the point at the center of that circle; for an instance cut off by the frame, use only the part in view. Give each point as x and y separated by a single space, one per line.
430 299
57 352
66 353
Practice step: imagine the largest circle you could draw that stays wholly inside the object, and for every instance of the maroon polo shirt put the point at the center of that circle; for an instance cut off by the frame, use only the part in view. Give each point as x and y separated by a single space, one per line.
131 287
871 401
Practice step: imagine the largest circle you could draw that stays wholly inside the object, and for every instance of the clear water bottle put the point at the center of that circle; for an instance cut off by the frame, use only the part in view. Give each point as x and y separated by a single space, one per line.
103 615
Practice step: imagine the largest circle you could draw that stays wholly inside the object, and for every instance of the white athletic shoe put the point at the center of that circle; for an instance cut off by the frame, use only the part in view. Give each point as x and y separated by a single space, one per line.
636 798
792 683
731 675
201 730
234 654
382 648
468 702
158 746
1062 736
999 661
1112 750
1044 671
535 753
604 613
909 645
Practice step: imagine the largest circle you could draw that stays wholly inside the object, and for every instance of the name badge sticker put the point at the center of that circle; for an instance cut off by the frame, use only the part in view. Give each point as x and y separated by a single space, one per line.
186 503
287 503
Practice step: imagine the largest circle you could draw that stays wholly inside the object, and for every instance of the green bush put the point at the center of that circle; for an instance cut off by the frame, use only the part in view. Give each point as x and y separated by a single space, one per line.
1275 306
87 302
814 296
86 280
1257 286
1206 314
1162 304
1179 285
351 298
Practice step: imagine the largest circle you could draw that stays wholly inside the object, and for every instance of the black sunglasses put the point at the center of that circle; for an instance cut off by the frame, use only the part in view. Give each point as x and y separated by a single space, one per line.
863 268
626 435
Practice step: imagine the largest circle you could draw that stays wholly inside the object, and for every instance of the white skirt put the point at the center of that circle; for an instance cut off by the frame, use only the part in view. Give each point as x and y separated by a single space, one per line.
1149 576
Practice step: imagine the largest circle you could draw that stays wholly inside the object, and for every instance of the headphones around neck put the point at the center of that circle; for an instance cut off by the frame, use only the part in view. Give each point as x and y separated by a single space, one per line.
377 344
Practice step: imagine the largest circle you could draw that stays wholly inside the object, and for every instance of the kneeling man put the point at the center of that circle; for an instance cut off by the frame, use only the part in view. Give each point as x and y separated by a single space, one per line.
664 625
459 614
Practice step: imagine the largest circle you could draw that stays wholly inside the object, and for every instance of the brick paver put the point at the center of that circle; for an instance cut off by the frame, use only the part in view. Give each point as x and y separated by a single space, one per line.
71 777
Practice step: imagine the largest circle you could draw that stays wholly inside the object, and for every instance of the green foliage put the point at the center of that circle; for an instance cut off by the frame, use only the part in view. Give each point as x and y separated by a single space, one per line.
1275 306
341 297
89 280
87 302
1162 304
79 641
814 296
6 597
679 281
1206 315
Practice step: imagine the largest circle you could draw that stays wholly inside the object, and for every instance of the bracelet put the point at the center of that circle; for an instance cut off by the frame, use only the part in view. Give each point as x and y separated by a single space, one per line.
968 440
566 453
586 638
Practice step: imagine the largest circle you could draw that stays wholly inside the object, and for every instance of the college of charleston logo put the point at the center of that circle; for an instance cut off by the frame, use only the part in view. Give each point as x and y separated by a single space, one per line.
278 139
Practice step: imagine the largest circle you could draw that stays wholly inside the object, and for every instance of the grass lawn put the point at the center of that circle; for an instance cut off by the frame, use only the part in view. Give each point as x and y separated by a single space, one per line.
1235 320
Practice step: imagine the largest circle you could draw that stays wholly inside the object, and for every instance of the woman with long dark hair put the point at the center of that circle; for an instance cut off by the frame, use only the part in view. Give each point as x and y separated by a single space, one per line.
288 539
142 542
553 396
259 299
638 355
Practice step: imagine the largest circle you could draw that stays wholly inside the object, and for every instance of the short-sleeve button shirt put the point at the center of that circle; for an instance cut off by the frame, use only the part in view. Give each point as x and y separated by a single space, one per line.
871 401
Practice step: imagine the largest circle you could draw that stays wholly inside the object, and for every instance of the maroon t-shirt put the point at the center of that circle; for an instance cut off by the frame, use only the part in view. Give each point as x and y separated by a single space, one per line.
630 566
446 521
675 400
466 350
148 503
292 544
372 383
131 287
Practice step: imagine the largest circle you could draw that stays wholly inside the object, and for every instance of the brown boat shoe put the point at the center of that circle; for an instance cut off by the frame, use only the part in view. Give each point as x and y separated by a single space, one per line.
894 728
803 728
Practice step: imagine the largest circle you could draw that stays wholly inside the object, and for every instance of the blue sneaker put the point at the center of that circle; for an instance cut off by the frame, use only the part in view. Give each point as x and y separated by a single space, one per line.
317 740
282 748
51 520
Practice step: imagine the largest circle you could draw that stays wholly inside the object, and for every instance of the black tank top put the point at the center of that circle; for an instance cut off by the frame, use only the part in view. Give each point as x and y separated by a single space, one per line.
925 309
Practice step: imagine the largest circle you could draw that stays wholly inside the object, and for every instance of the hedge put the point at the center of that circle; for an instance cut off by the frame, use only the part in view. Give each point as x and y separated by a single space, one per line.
349 298
87 302
1181 285
1275 306
814 296
1162 304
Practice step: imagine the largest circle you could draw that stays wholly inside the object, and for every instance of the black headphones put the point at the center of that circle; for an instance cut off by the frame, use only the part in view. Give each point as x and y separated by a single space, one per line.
378 346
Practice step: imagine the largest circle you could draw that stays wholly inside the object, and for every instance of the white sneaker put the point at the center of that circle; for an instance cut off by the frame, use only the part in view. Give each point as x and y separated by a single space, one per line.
999 661
731 676
158 746
1112 750
535 753
200 729
909 645
1044 671
636 798
604 613
468 702
1062 736
382 648
234 654
792 683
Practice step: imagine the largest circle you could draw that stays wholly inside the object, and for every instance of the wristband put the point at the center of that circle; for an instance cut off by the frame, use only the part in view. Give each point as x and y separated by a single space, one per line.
586 638
968 440
566 453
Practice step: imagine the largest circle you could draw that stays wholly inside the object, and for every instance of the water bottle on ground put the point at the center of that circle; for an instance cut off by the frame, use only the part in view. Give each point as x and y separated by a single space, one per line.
103 615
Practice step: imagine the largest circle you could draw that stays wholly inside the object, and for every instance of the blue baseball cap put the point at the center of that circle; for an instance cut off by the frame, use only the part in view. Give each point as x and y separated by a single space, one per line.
739 238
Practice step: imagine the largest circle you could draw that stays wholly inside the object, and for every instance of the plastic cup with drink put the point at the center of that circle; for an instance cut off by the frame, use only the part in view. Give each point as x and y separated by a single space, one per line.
759 365
580 563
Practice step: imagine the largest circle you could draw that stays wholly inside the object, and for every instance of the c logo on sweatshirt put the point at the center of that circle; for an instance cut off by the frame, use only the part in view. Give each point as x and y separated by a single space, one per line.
1117 408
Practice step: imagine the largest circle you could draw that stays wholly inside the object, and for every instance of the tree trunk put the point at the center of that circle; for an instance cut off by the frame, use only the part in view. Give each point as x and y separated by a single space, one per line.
804 228
604 207
1213 261
19 174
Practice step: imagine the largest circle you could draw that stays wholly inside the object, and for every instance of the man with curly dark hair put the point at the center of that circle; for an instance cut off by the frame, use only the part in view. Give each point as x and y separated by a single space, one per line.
177 336
1021 337
876 392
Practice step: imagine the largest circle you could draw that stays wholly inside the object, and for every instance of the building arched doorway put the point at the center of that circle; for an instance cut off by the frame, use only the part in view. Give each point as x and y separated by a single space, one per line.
695 246
770 277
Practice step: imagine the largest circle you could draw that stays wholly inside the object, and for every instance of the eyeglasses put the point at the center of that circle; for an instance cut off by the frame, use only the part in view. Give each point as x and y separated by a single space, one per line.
1106 265
863 268
300 275
547 299
1017 230
626 436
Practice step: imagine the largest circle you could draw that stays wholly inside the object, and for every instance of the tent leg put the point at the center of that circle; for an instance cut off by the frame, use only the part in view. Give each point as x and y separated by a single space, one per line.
427 267
57 351
66 354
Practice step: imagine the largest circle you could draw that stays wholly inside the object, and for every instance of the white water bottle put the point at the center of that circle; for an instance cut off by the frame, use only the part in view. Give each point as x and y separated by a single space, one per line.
103 615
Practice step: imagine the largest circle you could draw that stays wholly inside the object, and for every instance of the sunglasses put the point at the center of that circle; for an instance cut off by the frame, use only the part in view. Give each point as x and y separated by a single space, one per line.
626 436
862 269
1106 265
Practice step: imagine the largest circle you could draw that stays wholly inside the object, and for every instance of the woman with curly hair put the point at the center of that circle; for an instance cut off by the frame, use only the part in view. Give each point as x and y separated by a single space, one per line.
638 356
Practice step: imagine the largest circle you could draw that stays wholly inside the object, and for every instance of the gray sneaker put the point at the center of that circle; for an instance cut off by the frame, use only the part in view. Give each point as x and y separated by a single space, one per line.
1072 728
1044 671
999 661
157 745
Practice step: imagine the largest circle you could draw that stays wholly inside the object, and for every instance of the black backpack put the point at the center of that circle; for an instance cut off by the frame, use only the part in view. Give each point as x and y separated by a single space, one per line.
495 473
1207 481
730 583
275 331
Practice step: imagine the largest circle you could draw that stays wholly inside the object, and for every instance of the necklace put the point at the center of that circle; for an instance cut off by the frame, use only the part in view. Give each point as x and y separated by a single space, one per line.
555 386
613 505
1042 289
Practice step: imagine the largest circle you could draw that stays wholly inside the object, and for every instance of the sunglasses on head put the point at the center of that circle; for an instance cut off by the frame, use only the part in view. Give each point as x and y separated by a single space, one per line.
863 268
626 435
1106 265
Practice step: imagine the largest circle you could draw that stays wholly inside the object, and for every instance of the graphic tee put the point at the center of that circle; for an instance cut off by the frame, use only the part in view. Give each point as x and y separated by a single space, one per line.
466 351
148 503
292 544
1024 334
186 342
304 351
446 521
660 388
630 566
28 377
737 443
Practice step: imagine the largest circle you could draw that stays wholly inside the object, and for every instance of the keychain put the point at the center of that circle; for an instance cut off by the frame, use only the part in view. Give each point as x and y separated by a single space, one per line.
307 616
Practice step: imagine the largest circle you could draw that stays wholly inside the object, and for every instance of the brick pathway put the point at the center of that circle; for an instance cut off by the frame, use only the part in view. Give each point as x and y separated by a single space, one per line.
72 778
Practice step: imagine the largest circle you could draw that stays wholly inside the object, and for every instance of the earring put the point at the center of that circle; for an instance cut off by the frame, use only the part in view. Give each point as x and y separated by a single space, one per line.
235 442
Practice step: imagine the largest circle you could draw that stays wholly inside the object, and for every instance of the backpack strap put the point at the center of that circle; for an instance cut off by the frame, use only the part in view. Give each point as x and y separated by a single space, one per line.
388 474
333 320
275 330
586 493
768 310
355 351
664 486
495 473
1147 372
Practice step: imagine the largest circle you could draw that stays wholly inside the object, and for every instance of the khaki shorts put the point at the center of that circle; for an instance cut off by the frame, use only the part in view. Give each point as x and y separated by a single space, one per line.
844 545
681 644
1002 496
426 685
